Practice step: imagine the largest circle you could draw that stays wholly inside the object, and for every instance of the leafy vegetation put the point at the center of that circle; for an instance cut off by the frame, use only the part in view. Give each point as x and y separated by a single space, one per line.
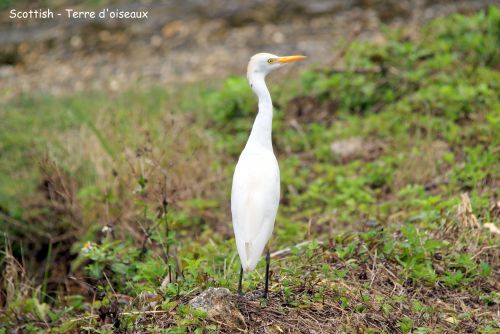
115 209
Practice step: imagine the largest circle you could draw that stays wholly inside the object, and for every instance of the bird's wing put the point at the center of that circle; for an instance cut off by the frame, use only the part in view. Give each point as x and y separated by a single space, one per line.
254 203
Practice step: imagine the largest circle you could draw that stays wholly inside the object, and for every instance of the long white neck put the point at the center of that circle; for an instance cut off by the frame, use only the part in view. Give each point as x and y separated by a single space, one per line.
262 126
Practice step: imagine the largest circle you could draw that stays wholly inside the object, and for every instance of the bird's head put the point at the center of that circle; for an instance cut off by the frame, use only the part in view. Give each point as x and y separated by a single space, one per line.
264 63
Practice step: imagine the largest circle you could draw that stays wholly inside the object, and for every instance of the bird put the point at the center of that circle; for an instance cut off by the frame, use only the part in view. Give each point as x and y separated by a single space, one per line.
255 192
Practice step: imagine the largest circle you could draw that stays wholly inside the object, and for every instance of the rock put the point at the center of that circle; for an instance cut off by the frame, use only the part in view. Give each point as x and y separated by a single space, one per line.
492 227
216 302
356 147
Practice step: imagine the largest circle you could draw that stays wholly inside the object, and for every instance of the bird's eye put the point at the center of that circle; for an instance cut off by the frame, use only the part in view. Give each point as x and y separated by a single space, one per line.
270 60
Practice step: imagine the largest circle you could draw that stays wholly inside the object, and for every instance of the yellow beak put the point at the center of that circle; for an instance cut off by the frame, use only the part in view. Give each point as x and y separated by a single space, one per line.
289 59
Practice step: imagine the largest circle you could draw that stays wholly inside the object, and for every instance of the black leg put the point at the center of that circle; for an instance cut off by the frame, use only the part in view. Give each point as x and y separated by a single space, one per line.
240 291
266 286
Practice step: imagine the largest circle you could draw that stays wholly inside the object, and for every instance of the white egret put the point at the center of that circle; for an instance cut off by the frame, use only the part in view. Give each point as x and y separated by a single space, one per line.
256 181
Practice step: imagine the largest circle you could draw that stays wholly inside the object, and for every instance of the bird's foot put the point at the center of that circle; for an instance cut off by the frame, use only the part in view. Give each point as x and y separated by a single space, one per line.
263 300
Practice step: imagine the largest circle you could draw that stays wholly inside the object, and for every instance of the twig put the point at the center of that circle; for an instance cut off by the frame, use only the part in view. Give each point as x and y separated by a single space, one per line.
373 268
285 252
483 249
110 285
224 324
94 316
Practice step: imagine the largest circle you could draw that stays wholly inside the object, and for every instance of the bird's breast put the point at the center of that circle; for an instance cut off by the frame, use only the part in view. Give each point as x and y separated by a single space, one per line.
258 167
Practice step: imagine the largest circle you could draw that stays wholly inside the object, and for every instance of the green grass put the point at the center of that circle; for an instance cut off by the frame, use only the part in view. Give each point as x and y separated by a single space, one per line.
389 251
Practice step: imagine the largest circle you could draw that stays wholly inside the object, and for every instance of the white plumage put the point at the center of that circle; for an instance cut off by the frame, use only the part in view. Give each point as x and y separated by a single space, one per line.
254 202
256 182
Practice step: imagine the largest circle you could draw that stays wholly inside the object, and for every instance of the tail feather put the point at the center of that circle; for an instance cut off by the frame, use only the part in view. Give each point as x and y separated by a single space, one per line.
248 246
